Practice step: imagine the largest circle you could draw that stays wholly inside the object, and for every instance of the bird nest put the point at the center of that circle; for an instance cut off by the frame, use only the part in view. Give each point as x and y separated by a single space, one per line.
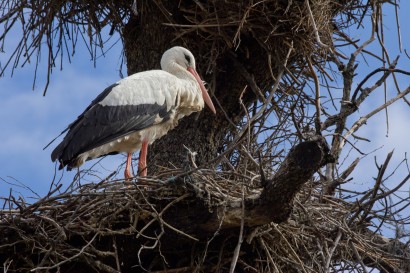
260 34
98 223
274 25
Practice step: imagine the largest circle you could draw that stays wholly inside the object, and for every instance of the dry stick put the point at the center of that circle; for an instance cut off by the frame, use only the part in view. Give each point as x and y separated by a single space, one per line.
292 251
271 94
270 258
363 120
379 82
10 211
248 135
158 237
322 251
238 31
380 38
353 43
359 258
170 204
46 198
365 92
67 260
179 231
159 217
55 224
175 270
208 242
312 19
224 112
396 7
247 153
101 266
240 239
353 146
257 232
196 26
332 250
341 121
342 179
149 248
134 8
165 12
377 185
360 205
387 193
317 93
117 259
7 264
386 54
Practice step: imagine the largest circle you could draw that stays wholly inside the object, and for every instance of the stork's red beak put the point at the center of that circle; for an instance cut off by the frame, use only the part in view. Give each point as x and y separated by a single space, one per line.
205 94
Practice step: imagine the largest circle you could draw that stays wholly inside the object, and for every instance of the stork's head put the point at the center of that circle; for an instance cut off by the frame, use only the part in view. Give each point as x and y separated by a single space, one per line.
179 59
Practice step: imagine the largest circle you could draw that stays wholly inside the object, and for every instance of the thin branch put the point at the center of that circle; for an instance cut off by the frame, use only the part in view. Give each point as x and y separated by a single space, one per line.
81 252
240 238
317 94
363 119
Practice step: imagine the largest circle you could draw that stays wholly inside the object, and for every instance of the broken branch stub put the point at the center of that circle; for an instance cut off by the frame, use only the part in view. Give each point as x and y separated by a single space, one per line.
273 204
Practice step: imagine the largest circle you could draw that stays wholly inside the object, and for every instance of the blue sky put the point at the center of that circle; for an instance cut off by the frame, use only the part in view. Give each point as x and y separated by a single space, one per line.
29 120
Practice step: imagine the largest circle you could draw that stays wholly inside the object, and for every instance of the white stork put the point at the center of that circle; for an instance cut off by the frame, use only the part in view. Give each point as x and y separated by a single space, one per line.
134 112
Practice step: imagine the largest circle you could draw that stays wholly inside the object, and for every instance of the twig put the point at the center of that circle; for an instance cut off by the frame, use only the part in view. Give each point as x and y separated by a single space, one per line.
315 30
240 238
358 257
69 259
291 249
363 120
332 250
317 94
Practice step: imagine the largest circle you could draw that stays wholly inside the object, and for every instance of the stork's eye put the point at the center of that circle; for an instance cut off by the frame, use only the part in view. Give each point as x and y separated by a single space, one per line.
188 59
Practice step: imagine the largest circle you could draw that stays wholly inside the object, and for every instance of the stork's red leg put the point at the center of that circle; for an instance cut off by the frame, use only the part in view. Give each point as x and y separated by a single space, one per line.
142 163
127 172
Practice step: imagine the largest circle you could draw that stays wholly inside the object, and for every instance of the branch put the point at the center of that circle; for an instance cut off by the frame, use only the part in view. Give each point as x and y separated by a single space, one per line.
363 120
273 204
68 259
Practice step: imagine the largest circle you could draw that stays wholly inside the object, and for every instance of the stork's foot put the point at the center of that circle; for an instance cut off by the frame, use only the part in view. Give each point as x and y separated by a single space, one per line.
142 163
143 172
128 175
127 172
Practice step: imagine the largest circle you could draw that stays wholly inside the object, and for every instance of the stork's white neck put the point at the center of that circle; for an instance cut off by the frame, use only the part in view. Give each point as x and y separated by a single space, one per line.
191 99
178 71
176 61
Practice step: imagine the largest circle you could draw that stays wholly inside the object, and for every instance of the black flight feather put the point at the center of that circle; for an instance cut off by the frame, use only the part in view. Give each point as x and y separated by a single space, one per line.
100 125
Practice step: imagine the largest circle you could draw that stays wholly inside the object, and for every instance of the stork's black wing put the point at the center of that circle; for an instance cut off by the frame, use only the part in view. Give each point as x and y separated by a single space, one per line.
99 124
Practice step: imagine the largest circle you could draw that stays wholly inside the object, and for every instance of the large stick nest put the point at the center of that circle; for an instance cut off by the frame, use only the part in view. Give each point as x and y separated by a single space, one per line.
112 224
276 25
58 26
